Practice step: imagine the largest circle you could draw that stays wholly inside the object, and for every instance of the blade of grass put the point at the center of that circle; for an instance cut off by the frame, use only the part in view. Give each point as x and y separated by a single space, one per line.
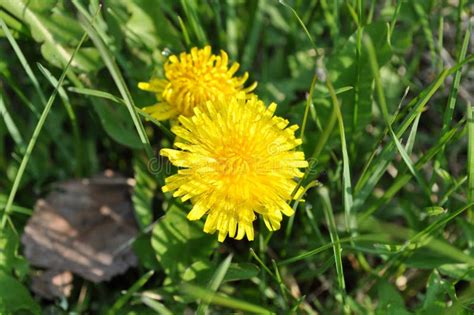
15 208
384 108
470 159
114 71
309 100
215 282
252 41
156 306
231 28
346 172
120 303
184 30
453 189
310 253
283 2
36 133
439 44
419 240
72 117
330 20
11 126
190 9
219 299
328 213
118 100
425 26
261 263
372 174
21 95
453 93
412 136
403 178
23 61
393 22
381 137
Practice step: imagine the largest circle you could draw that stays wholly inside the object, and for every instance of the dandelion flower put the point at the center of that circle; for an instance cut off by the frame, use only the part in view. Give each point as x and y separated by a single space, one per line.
236 159
191 80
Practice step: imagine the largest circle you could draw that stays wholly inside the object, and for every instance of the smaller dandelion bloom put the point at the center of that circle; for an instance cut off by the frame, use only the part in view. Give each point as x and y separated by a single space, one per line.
192 79
236 160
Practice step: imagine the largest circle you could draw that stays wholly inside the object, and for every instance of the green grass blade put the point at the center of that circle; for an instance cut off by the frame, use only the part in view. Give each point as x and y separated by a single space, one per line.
34 137
251 45
72 117
120 303
403 178
411 138
300 21
190 9
425 26
324 137
158 307
328 213
215 282
309 101
185 32
310 253
346 172
118 100
384 108
114 70
453 93
231 28
370 178
10 124
470 159
15 208
24 63
219 299
393 22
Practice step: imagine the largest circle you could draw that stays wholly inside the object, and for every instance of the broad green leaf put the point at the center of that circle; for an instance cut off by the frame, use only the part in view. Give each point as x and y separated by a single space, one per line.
435 297
150 25
15 298
143 193
179 242
117 123
8 248
58 33
145 253
42 5
88 58
390 301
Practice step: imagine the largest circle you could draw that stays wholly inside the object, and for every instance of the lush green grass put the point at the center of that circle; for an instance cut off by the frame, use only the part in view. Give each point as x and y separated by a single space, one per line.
380 88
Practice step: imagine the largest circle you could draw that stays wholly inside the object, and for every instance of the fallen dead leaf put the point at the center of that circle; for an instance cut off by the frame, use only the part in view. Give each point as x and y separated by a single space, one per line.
83 226
52 283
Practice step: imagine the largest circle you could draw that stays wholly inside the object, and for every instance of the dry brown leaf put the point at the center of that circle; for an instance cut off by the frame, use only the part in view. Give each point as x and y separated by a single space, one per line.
51 284
84 226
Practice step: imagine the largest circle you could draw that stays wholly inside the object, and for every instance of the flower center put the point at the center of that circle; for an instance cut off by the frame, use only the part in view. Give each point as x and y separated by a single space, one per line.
236 161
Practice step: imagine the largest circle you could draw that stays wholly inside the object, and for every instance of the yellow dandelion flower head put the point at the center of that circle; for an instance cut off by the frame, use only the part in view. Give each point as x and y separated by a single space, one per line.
236 159
191 80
